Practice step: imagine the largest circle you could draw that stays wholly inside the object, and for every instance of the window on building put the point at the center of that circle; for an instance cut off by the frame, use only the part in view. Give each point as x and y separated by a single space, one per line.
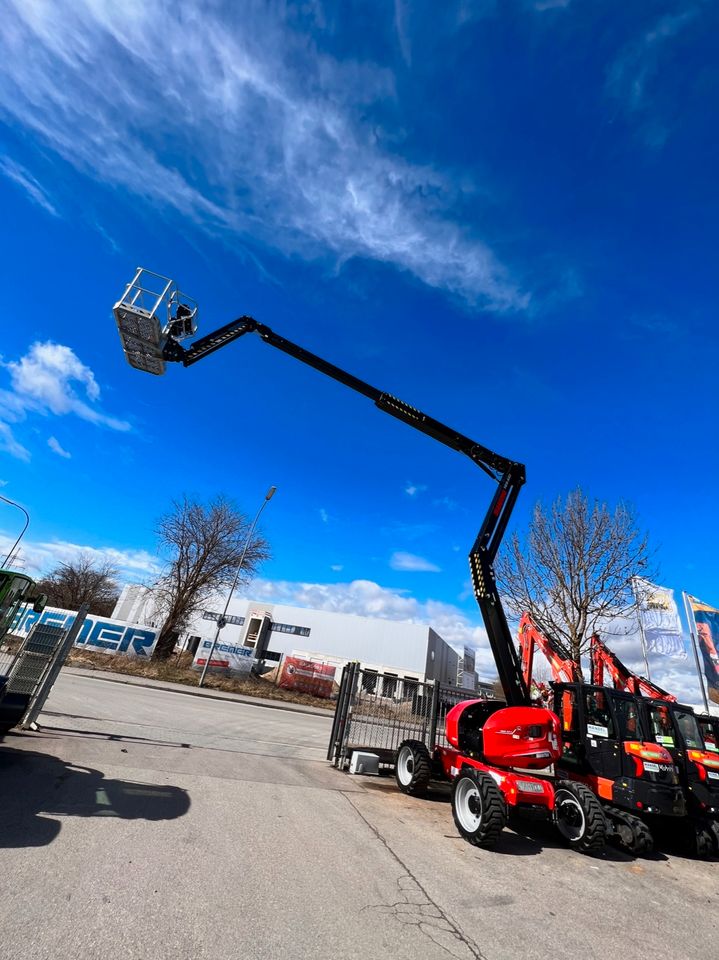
369 681
389 685
291 628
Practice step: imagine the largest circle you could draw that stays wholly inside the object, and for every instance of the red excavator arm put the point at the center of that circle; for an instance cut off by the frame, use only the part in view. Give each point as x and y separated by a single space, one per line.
602 658
564 669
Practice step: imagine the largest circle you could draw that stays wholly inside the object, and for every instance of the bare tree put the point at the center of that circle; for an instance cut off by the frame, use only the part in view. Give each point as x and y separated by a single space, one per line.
82 580
203 545
573 570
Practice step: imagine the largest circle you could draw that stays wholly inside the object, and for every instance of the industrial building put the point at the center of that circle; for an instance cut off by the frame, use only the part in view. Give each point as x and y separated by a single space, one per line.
396 649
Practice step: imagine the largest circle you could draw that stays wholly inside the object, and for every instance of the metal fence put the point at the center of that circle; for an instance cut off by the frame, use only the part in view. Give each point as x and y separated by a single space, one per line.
376 713
31 668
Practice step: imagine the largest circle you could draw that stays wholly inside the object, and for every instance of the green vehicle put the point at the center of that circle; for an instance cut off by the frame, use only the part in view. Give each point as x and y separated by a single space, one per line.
16 590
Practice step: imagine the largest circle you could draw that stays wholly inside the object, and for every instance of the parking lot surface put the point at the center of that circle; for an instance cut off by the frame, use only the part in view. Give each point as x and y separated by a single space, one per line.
144 823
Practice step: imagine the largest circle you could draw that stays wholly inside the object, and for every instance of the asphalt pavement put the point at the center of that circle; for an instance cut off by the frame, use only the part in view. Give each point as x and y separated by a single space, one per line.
145 823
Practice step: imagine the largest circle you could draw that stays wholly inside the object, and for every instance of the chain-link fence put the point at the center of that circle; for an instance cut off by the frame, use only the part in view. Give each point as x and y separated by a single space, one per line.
376 712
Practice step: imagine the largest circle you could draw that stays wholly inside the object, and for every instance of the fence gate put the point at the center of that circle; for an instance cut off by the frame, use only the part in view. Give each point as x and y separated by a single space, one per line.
33 670
376 712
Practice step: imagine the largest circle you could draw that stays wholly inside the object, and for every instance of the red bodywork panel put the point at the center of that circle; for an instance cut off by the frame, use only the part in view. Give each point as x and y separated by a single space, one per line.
517 788
526 737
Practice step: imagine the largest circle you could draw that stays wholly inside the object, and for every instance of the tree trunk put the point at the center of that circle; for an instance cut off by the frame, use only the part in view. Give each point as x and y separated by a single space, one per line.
165 646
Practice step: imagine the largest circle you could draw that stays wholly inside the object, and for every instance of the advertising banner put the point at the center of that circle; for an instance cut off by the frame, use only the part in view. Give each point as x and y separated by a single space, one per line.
707 621
465 673
101 634
657 611
225 656
307 676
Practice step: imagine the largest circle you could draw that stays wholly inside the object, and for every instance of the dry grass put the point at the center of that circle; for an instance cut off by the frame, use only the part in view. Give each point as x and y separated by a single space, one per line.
177 670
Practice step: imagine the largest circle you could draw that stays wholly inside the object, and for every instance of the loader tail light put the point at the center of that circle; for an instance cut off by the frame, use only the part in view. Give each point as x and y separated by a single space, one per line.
653 752
704 761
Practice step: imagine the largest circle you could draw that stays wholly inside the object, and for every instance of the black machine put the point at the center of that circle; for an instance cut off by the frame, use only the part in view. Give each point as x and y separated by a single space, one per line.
607 748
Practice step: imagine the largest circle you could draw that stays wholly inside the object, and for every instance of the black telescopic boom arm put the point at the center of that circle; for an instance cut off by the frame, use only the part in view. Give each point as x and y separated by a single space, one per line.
509 475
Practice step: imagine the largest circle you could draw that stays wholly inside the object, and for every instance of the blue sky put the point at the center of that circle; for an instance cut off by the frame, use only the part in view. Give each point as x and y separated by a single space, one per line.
503 213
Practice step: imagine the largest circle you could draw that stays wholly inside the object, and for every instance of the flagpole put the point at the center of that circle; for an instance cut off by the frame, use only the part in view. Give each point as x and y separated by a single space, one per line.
642 635
692 633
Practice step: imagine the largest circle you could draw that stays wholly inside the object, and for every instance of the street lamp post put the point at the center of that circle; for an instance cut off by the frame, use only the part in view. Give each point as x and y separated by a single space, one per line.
222 621
22 532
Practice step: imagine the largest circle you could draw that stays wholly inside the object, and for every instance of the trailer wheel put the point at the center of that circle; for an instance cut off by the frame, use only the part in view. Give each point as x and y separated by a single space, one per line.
478 807
413 768
578 816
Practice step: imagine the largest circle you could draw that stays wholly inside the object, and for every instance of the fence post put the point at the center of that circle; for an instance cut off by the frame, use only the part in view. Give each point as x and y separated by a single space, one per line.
338 709
43 691
344 712
434 710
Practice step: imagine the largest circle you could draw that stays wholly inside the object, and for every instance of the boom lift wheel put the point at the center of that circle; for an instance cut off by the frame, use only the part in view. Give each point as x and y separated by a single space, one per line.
478 807
413 768
579 817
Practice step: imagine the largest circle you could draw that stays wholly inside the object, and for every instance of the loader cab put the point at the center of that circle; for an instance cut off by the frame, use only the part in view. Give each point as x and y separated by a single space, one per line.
606 746
709 729
676 727
594 723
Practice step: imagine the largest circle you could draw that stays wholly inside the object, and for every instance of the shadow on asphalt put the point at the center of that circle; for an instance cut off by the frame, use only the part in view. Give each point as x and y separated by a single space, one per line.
114 737
524 837
35 785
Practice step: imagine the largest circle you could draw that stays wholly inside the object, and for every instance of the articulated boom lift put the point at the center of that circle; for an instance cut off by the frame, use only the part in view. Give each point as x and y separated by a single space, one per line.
486 738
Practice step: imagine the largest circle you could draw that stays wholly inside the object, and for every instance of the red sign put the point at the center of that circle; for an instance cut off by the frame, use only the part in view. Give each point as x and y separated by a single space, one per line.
307 677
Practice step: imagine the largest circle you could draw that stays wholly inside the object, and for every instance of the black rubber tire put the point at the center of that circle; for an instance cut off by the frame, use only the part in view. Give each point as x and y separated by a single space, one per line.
478 807
578 816
706 841
642 840
413 768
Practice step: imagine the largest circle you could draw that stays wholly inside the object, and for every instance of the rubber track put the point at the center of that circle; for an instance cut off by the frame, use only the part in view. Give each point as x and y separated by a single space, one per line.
642 839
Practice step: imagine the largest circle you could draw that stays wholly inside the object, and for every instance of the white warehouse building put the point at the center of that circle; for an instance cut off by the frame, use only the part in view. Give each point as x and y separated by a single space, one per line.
411 651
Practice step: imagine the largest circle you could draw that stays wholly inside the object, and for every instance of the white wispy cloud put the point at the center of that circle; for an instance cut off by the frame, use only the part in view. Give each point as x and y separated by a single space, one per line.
25 180
630 75
9 444
49 380
40 556
55 446
414 489
270 142
411 562
324 516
